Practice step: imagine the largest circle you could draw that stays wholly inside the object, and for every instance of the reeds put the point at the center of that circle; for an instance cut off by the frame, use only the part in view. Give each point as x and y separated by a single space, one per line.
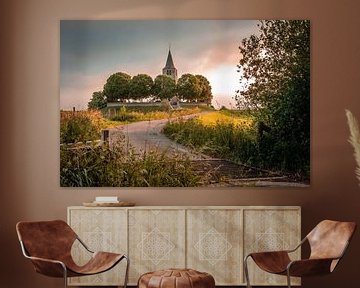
354 140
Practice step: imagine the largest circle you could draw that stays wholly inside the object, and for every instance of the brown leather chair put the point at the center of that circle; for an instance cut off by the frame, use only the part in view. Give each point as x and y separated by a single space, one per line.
328 242
48 245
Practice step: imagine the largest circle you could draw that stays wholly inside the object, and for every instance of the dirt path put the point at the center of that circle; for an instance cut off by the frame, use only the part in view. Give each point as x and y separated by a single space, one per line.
146 136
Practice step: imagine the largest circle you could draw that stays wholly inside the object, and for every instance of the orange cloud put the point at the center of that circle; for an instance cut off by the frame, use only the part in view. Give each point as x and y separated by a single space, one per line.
225 53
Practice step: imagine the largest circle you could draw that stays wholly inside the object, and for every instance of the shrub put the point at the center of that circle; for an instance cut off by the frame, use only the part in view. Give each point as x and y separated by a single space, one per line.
124 116
80 126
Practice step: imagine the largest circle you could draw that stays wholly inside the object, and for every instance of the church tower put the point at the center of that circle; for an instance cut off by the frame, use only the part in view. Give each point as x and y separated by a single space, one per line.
169 68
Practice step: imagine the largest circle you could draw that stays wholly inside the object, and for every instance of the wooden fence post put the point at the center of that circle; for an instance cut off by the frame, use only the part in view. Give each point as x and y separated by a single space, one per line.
105 136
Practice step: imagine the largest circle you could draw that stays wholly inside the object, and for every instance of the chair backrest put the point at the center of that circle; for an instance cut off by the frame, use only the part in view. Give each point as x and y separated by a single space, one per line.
46 239
329 239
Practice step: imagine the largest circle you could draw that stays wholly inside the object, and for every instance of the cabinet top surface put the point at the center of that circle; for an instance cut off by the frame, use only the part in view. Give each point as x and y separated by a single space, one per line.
192 207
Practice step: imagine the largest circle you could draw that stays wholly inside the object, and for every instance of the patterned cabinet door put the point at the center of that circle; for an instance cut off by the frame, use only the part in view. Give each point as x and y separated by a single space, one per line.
214 244
101 230
156 240
269 230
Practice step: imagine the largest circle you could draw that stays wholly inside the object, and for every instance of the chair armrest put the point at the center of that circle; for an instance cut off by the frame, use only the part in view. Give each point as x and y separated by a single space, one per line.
48 267
268 253
84 245
281 251
309 267
298 246
46 260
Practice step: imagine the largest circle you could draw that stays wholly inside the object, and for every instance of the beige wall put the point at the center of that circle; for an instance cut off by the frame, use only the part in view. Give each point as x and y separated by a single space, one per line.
30 120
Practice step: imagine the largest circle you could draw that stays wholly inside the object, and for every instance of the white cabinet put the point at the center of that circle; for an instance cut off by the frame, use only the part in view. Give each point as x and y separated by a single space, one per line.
210 239
156 240
214 243
271 229
101 230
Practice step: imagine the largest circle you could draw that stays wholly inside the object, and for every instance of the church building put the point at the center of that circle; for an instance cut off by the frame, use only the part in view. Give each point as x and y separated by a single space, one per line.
169 68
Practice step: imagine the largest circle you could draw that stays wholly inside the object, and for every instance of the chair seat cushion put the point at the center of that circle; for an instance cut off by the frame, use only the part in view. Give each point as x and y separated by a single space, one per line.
176 278
99 262
272 262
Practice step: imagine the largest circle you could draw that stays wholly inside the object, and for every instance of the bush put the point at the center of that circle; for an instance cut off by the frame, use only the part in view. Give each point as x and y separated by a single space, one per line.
80 126
124 116
277 91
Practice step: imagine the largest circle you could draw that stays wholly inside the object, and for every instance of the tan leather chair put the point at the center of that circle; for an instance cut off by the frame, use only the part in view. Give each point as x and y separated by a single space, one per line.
328 242
48 245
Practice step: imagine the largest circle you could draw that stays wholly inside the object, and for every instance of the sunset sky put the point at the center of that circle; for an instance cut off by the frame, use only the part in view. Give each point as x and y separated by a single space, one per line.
93 50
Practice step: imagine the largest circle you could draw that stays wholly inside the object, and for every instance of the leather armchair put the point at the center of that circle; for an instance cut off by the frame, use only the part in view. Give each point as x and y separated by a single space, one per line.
48 245
328 242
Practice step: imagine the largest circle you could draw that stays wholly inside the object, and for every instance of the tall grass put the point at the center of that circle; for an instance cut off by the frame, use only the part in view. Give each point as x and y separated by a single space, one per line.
82 126
215 117
240 143
223 139
118 166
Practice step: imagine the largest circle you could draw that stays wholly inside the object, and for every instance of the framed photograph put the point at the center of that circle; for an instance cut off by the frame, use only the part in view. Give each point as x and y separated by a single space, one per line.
184 103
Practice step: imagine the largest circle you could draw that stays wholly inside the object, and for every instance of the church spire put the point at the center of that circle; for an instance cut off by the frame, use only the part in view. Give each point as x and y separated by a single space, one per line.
169 61
169 68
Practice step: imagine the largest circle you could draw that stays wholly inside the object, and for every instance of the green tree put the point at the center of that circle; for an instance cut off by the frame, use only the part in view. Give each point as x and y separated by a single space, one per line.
116 87
205 94
140 86
164 87
188 87
97 101
275 68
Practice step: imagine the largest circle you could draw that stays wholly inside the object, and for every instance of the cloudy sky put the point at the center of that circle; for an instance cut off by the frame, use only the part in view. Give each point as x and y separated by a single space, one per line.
93 50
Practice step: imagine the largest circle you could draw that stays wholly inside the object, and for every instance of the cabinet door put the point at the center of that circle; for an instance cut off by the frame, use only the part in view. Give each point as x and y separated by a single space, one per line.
214 244
269 230
156 240
101 230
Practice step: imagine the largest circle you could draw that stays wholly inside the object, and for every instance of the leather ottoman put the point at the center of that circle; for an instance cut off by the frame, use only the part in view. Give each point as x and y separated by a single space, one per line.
176 278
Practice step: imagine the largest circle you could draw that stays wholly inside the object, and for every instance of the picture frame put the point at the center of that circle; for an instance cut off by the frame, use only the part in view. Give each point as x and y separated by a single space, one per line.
184 103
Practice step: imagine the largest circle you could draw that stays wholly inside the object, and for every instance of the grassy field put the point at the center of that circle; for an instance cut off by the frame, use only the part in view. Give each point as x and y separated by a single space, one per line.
232 135
215 117
82 126
125 115
217 134
223 134
153 108
120 165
